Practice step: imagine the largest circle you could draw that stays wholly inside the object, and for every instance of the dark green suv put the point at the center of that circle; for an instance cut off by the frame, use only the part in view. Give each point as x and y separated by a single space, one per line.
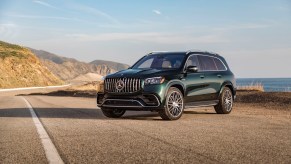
166 82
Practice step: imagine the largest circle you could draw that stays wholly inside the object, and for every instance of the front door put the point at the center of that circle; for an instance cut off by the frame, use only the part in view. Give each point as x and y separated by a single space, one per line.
197 87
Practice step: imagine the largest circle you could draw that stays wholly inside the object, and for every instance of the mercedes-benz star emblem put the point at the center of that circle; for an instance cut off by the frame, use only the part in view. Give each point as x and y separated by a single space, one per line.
119 85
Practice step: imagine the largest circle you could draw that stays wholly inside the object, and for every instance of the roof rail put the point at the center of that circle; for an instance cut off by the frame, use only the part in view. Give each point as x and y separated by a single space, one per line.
194 50
157 52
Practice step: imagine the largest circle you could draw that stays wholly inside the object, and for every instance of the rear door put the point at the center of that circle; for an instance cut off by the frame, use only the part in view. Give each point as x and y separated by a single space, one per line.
212 76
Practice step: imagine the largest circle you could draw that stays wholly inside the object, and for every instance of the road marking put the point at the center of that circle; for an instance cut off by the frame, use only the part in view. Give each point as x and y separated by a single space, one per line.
28 88
51 152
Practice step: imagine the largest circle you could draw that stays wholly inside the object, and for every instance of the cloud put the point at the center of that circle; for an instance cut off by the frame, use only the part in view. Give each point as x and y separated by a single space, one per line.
282 8
95 12
154 37
45 4
157 12
50 17
8 30
42 17
243 26
63 18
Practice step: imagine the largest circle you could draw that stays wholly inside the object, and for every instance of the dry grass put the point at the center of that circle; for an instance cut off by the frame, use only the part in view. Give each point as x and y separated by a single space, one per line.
89 86
252 87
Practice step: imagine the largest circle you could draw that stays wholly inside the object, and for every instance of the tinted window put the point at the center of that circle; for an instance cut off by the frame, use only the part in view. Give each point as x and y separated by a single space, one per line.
206 63
147 63
192 61
164 61
220 66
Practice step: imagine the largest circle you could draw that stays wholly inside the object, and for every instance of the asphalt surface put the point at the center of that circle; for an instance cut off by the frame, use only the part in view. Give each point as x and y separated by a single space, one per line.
81 134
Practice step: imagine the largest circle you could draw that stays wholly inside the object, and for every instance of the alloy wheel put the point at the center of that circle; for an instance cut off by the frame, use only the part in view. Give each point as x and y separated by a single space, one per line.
175 104
228 100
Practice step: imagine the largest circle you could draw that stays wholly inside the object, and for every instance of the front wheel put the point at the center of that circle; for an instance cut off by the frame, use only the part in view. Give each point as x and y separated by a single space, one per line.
113 113
174 105
225 102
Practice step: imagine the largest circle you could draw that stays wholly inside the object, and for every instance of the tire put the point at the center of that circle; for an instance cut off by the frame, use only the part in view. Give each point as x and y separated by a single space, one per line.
113 113
225 102
174 105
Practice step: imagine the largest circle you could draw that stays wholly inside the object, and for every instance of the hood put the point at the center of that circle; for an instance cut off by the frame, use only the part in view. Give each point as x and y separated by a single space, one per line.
142 73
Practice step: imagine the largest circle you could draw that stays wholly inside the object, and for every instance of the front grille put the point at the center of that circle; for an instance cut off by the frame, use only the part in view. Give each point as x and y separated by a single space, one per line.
127 85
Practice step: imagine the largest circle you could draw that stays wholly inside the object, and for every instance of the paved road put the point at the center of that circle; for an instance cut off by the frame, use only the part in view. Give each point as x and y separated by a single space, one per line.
81 134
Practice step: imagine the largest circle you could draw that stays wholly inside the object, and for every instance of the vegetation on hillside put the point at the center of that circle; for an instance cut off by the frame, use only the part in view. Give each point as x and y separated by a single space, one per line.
10 50
19 67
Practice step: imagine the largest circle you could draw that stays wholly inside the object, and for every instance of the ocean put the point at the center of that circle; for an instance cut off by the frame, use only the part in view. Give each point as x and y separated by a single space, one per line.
270 84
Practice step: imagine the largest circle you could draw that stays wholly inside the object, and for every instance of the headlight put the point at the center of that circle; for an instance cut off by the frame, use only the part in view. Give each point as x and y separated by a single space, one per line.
154 80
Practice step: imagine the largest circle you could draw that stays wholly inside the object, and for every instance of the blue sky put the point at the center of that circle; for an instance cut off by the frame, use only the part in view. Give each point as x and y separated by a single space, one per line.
253 35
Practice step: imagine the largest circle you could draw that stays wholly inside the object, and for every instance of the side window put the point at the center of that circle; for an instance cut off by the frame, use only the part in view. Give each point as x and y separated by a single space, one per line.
192 61
206 63
220 66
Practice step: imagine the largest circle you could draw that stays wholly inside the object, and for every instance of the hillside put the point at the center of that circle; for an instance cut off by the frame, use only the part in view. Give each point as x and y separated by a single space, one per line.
68 69
111 64
88 77
19 67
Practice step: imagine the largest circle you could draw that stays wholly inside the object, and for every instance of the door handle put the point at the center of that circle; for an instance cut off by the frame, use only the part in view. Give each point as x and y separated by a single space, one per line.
219 76
202 76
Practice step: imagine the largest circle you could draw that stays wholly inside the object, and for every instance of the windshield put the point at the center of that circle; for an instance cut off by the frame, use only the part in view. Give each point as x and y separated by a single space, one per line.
164 61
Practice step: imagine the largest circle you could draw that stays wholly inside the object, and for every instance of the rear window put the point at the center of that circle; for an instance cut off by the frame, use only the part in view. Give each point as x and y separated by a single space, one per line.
206 63
220 66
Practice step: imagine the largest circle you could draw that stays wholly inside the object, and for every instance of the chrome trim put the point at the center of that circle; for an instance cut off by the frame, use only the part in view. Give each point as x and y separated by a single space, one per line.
197 106
201 104
141 105
153 52
156 99
226 69
200 51
131 85
130 100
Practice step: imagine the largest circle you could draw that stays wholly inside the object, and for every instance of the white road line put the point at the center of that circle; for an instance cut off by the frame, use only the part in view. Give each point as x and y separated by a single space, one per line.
28 88
51 152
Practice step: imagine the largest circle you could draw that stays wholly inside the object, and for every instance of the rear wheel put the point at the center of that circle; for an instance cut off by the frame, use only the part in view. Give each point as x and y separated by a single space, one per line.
225 102
113 113
174 105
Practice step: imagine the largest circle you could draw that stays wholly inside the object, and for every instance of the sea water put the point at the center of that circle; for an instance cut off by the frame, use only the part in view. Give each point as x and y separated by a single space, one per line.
270 84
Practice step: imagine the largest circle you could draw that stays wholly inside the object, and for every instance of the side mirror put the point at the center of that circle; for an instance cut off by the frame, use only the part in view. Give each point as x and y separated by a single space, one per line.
192 69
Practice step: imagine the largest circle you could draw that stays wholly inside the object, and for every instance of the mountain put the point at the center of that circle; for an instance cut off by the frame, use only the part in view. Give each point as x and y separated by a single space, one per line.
88 77
111 64
19 67
70 69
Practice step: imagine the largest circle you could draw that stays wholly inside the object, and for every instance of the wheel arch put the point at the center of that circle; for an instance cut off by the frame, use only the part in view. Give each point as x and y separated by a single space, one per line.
177 84
230 86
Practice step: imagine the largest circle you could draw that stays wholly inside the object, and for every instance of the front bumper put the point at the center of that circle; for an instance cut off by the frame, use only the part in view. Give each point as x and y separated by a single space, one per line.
143 101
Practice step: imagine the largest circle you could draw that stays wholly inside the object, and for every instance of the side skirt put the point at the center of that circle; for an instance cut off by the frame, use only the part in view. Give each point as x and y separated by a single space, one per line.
201 103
